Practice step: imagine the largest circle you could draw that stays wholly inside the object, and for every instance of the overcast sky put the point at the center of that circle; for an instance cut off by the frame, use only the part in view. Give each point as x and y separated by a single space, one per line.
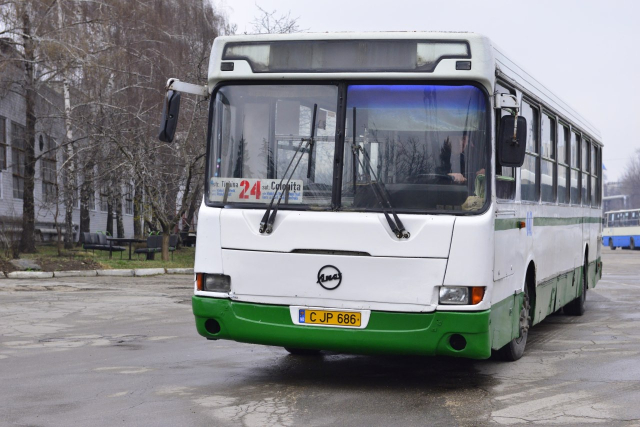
585 51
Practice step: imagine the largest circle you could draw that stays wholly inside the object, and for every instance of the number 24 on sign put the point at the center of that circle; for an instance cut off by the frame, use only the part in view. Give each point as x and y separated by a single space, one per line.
255 190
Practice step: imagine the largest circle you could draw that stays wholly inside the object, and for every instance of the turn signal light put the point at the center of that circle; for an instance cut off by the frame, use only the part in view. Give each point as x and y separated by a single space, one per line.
199 281
477 293
521 224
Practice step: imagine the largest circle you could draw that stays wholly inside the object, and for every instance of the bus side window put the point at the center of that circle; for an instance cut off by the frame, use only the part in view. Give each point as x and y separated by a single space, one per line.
529 172
585 167
548 162
563 166
594 177
505 176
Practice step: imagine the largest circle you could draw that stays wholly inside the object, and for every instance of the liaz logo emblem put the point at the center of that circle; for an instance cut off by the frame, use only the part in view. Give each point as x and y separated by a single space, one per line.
329 277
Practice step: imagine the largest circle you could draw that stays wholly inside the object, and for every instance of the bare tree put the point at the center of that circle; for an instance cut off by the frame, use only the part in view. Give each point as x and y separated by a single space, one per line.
631 180
273 23
34 29
112 60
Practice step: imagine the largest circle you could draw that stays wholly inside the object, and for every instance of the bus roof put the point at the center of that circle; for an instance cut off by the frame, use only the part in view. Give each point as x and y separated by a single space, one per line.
487 60
514 72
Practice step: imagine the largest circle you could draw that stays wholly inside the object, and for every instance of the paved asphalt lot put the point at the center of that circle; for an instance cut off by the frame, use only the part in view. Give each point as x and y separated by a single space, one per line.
124 351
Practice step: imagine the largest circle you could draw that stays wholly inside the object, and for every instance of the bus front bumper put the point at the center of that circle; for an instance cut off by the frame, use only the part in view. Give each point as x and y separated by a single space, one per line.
387 332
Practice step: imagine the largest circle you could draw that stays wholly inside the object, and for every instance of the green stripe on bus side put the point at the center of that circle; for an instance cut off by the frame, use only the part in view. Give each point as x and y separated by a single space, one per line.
507 224
549 222
511 223
504 320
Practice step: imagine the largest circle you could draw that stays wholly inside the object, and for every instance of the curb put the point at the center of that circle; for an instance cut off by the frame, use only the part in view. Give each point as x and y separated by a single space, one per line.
139 272
30 275
75 273
124 272
179 270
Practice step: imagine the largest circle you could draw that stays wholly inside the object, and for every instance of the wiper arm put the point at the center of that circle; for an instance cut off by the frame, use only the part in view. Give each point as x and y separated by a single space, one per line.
379 190
269 217
265 217
312 141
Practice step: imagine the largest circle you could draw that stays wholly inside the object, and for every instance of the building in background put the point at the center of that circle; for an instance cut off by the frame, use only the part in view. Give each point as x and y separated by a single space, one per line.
48 189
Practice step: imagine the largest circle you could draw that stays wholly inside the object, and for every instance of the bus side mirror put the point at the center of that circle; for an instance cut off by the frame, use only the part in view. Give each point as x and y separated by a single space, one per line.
511 150
170 112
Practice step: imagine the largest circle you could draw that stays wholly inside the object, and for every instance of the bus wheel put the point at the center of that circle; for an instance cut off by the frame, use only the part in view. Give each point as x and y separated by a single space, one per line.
515 348
302 351
613 248
576 307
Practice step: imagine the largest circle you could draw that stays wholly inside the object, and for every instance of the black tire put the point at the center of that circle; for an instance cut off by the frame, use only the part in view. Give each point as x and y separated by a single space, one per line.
515 348
613 248
576 307
302 351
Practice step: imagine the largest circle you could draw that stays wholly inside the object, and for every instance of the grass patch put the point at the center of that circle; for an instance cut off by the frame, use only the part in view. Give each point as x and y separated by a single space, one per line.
79 259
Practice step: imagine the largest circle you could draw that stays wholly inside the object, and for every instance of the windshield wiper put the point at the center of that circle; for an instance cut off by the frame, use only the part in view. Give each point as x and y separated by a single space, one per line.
312 141
269 217
379 190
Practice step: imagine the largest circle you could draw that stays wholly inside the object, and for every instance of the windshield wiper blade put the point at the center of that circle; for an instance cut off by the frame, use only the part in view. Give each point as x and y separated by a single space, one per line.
379 190
265 217
312 141
269 217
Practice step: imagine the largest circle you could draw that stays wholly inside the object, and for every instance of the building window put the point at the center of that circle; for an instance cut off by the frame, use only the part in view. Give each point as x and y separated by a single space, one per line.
128 199
92 196
104 198
3 143
18 159
49 168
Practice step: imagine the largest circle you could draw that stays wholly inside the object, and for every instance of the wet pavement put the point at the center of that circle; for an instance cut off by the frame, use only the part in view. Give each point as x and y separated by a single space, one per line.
103 351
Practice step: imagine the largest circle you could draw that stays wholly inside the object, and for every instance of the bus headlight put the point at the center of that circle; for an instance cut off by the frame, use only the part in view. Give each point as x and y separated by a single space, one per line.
454 295
461 295
213 282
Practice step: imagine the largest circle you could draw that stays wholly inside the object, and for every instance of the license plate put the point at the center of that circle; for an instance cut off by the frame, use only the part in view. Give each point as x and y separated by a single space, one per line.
329 317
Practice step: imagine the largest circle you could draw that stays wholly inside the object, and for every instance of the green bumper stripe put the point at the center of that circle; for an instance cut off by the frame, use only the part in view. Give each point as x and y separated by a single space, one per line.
511 223
550 222
386 333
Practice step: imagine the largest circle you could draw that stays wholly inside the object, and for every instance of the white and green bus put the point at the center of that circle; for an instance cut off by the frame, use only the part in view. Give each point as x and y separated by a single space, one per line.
389 193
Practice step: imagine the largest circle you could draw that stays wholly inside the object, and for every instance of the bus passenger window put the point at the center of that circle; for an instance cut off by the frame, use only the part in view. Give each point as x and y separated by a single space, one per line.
563 169
505 176
584 156
529 170
548 163
575 172
594 202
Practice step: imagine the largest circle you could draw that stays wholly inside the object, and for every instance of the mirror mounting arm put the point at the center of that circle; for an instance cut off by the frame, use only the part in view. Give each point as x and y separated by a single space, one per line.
171 107
514 140
178 86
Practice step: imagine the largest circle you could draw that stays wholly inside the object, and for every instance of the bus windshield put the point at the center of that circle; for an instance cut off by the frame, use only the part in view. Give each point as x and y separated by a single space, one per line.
425 143
257 129
424 146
